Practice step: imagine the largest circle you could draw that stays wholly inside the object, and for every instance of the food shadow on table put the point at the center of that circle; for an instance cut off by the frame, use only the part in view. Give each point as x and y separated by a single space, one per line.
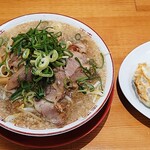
135 113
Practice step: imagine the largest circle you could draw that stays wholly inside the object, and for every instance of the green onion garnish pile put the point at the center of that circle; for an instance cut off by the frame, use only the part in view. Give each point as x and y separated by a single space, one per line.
40 51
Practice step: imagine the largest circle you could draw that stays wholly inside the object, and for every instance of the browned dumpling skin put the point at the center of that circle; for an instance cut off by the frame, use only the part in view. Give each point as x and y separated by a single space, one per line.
142 83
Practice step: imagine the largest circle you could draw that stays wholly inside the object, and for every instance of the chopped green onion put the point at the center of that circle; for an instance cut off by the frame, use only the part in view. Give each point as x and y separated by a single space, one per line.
84 87
43 63
35 71
93 63
53 55
68 53
91 74
63 45
1 41
26 53
17 41
37 78
48 72
32 62
7 65
4 71
68 83
81 79
25 85
38 53
39 92
101 85
59 63
16 95
102 57
85 70
58 34
78 36
28 98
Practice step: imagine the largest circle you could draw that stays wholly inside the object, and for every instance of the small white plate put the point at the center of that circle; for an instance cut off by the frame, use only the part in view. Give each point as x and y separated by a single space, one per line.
141 54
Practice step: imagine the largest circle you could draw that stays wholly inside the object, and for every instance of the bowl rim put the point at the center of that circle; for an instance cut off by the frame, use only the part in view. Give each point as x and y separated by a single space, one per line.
21 130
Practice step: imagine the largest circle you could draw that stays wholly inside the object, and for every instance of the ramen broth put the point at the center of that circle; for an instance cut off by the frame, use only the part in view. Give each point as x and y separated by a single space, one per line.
74 102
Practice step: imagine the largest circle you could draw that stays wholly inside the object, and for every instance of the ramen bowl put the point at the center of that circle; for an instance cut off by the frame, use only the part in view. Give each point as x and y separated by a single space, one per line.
108 64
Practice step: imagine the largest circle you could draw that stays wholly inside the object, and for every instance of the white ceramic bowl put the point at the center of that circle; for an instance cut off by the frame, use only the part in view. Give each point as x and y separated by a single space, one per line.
109 70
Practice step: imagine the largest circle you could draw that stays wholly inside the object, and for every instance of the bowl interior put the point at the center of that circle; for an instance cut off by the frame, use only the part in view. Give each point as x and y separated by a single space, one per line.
109 72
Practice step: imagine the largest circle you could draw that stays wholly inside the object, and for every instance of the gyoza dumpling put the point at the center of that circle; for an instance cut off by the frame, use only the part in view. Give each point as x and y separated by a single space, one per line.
142 83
